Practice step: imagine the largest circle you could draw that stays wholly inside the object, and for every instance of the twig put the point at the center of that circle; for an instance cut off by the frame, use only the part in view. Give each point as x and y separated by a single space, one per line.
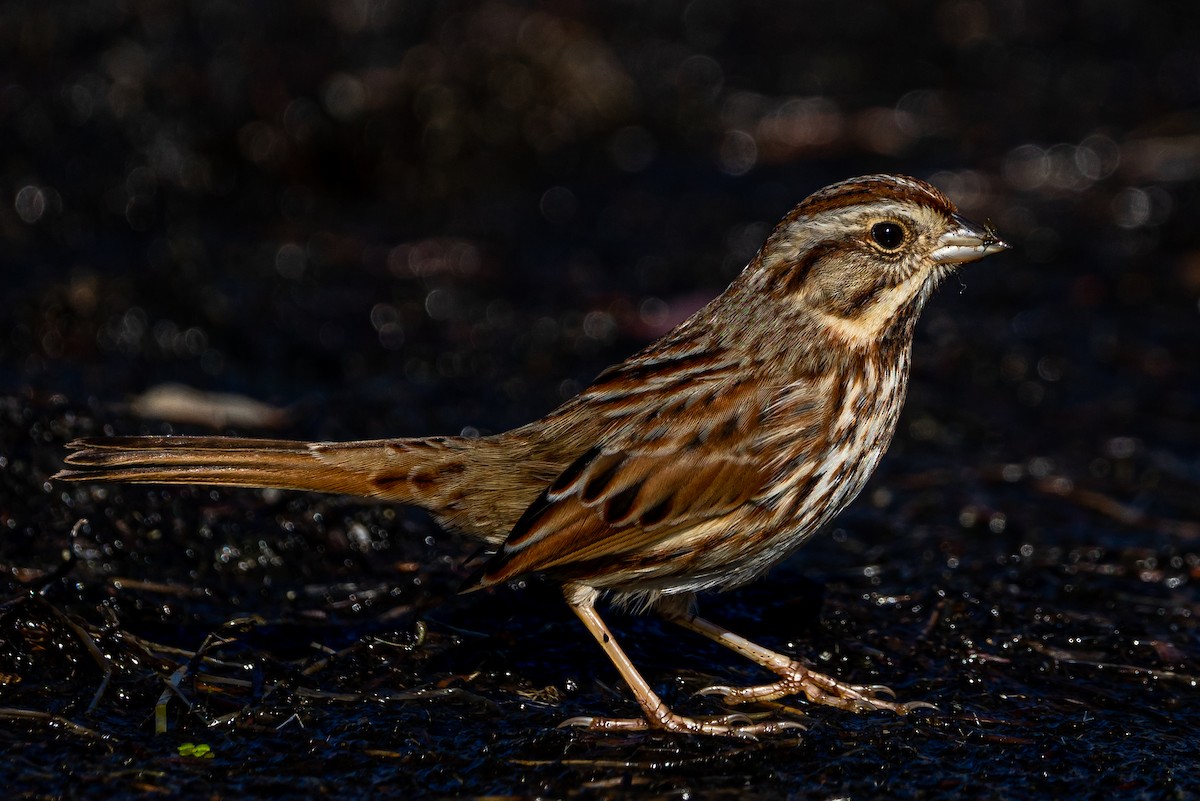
1059 655
11 713
1063 487
89 645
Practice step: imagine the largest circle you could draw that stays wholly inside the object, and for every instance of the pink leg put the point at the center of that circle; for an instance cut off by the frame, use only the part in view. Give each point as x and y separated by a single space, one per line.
657 715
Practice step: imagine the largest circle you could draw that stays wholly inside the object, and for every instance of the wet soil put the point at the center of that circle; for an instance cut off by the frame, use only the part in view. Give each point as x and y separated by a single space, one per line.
390 219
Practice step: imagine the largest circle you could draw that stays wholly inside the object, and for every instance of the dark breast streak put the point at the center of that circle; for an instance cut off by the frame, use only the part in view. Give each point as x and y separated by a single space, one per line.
815 480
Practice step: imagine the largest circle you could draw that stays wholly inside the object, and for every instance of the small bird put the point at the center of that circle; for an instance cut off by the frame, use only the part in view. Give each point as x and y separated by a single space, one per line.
693 465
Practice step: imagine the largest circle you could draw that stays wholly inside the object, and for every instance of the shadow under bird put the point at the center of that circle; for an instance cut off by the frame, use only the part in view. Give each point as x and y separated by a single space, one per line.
695 464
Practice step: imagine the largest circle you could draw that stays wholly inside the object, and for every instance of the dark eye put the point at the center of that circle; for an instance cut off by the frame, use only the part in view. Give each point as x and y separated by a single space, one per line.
888 235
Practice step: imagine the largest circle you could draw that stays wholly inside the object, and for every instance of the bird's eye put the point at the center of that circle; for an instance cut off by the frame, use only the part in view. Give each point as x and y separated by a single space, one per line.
888 235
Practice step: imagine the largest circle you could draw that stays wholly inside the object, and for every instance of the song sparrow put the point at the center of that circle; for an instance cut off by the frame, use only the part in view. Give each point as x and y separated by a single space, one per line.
694 465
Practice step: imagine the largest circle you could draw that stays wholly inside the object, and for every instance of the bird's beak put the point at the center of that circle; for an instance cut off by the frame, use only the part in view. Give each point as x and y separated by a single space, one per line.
966 241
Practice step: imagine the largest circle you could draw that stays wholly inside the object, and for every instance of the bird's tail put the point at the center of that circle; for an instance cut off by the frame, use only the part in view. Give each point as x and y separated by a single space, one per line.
354 468
452 477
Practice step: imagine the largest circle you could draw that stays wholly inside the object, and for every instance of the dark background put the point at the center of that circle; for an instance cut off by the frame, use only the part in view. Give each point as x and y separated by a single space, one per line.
401 218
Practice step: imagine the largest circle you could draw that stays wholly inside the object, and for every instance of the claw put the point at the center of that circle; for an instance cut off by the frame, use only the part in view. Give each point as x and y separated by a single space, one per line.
606 724
913 706
795 679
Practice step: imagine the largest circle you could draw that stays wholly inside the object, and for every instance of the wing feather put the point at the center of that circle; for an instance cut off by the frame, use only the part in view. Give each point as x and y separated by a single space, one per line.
634 493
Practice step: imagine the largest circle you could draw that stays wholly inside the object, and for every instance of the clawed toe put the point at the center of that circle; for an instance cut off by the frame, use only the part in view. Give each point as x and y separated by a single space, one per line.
605 724
912 706
794 679
818 689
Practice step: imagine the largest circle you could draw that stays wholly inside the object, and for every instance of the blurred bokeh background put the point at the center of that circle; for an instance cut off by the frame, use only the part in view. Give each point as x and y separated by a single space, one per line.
370 218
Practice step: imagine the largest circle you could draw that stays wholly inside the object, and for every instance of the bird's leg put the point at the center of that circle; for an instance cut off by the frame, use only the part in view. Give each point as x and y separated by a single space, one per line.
657 715
795 678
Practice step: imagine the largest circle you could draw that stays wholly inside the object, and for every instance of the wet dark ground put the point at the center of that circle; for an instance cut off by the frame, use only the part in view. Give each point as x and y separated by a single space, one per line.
394 219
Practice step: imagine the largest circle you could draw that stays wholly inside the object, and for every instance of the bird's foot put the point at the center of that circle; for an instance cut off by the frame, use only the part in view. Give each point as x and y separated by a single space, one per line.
796 679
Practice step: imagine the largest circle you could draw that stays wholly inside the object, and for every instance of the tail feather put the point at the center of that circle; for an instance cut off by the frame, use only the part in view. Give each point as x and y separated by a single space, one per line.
352 468
477 487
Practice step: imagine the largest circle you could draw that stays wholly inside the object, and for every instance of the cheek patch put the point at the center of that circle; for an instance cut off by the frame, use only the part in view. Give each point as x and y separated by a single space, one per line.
847 289
854 299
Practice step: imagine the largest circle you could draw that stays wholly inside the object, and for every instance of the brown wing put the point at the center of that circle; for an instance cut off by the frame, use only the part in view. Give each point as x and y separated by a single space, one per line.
654 479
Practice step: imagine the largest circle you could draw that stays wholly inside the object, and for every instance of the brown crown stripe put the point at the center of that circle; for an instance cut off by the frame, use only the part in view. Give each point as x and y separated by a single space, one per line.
874 189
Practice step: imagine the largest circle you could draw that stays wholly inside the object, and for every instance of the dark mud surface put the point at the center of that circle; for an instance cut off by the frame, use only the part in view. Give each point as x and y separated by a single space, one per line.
390 219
